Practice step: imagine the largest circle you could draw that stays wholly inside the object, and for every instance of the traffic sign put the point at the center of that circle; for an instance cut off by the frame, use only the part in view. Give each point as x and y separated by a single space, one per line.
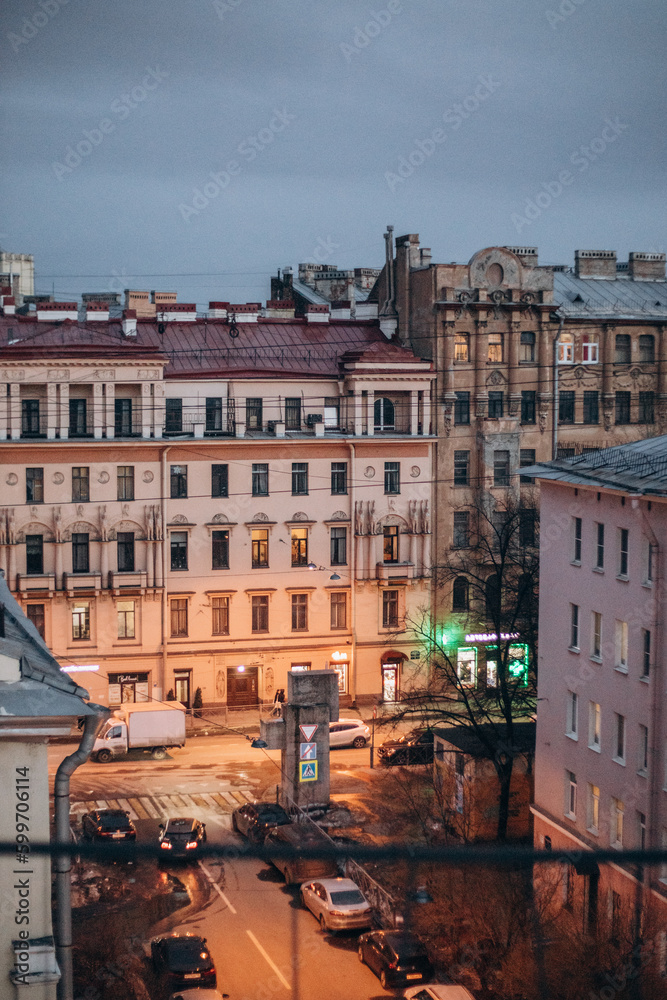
308 751
308 731
308 770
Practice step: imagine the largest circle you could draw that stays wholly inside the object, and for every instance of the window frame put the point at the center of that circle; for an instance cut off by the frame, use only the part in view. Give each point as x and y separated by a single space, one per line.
299 479
125 482
260 479
528 406
570 794
220 614
494 348
591 410
621 645
299 605
391 544
339 478
566 406
646 409
596 636
461 468
213 414
392 478
462 408
599 547
622 407
173 415
178 617
259 539
574 627
125 546
338 545
219 480
620 739
128 617
572 716
37 618
565 349
527 347
623 553
390 608
34 485
338 600
178 551
461 529
80 484
80 612
299 546
259 606
254 413
80 552
461 347
496 404
501 468
293 413
590 352
178 482
34 561
220 548
577 527
595 726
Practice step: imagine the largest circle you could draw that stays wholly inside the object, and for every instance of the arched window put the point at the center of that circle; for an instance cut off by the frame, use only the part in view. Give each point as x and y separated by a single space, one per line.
622 349
647 347
460 594
492 594
383 414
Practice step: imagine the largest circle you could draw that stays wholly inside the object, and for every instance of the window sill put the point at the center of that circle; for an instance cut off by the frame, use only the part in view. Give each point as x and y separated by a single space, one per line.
595 747
645 678
574 649
618 760
642 773
621 669
648 584
571 817
596 658
575 562
598 569
593 830
623 578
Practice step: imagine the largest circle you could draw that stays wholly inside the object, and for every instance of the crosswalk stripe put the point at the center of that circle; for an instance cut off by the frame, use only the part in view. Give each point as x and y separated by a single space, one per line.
219 801
151 807
139 809
228 797
124 804
240 797
198 800
210 801
160 806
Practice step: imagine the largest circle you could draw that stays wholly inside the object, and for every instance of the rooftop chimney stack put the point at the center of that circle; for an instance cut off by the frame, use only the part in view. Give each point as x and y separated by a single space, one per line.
527 255
646 266
595 263
218 310
129 322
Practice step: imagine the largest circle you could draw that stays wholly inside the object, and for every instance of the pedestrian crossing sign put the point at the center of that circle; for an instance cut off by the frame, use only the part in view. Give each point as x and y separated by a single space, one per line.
307 770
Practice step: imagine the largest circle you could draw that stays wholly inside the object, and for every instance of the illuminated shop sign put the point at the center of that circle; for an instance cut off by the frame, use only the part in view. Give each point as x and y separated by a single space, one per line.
490 636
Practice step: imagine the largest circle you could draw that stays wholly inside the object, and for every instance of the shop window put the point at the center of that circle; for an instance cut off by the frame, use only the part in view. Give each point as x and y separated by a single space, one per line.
466 666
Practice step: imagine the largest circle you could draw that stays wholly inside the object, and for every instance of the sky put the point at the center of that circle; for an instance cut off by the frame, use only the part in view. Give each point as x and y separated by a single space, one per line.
199 146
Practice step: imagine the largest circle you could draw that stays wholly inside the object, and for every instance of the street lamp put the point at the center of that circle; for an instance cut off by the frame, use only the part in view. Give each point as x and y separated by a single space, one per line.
311 566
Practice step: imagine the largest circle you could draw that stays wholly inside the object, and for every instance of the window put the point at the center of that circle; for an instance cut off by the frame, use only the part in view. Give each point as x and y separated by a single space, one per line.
501 468
34 554
81 620
299 546
622 353
173 416
572 718
461 536
649 561
460 594
260 548
339 478
260 479
527 522
390 609
617 816
122 417
527 346
574 626
392 477
642 762
646 653
125 482
526 458
576 555
461 347
594 723
220 615
299 612
179 550
29 416
260 613
34 485
566 407
621 645
619 738
390 546
492 595
623 552
461 468
293 413
566 349
219 480
462 408
253 413
220 550
338 611
178 607
80 552
599 546
77 417
213 414
596 635
383 414
35 614
647 348
528 406
623 407
495 352
331 412
496 406
593 811
179 481
646 413
125 619
466 666
589 352
80 484
591 407
571 794
299 478
125 551
339 546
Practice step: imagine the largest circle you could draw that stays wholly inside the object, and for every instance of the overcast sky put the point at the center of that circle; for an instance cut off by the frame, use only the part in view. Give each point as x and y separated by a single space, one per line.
198 145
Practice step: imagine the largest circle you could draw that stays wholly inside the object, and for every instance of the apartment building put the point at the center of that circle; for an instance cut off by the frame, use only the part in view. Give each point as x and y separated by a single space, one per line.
212 501
601 754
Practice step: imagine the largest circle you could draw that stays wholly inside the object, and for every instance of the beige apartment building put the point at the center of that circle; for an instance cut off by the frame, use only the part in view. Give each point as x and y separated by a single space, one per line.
208 502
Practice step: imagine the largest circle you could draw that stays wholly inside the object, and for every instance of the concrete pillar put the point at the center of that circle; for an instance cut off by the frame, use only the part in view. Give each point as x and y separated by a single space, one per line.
51 410
358 426
514 379
150 564
4 412
105 412
426 414
146 407
159 580
370 413
58 563
64 411
414 412
481 353
15 411
12 566
158 410
104 563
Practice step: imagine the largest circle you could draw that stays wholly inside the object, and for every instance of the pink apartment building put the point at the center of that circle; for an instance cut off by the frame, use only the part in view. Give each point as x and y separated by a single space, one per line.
601 753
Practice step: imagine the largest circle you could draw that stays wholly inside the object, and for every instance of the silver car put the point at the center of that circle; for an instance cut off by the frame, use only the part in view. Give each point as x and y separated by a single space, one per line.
348 733
338 903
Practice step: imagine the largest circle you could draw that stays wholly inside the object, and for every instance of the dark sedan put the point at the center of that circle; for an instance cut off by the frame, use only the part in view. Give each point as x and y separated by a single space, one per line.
108 824
415 747
181 838
183 960
255 819
398 958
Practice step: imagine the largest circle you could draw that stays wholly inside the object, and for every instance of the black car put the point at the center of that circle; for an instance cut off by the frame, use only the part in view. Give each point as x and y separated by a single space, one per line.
255 819
181 838
415 747
181 960
398 958
108 824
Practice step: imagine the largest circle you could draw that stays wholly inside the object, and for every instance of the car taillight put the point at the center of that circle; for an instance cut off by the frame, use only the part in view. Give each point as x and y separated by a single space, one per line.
190 845
393 965
165 845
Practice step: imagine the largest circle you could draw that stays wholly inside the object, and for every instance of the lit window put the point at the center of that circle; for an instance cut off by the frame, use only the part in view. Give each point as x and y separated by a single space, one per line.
260 548
299 546
594 724
566 349
390 545
461 347
495 352
125 616
527 346
220 615
81 620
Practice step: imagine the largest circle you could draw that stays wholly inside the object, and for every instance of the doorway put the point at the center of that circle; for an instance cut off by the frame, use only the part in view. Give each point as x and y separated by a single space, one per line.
182 687
390 681
242 687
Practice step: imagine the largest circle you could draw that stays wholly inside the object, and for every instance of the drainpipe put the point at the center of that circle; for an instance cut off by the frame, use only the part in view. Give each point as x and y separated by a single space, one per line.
656 685
353 578
63 862
554 439
163 505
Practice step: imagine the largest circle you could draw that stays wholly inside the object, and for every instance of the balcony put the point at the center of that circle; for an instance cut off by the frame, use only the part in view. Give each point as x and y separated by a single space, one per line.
395 571
37 582
76 584
128 583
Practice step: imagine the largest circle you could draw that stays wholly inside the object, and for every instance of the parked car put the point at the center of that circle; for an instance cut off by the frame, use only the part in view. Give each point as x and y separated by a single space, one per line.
438 991
348 733
415 747
108 824
298 869
396 957
255 819
181 838
197 994
181 960
338 903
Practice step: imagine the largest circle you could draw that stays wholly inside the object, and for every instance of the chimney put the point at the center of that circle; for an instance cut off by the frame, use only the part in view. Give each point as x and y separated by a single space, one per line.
527 255
279 309
8 305
595 263
129 322
425 256
218 310
317 313
341 309
159 298
96 311
176 312
246 312
646 266
56 312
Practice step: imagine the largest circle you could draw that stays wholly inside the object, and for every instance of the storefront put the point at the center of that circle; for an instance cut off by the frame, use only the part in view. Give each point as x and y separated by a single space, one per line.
127 687
477 661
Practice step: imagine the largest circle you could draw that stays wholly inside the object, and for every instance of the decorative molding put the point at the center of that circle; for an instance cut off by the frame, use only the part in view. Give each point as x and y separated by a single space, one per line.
415 472
148 476
103 477
58 478
369 472
12 479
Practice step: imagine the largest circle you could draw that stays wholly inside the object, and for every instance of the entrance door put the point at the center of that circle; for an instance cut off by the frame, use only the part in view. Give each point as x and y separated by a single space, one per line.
389 681
182 687
242 687
128 690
